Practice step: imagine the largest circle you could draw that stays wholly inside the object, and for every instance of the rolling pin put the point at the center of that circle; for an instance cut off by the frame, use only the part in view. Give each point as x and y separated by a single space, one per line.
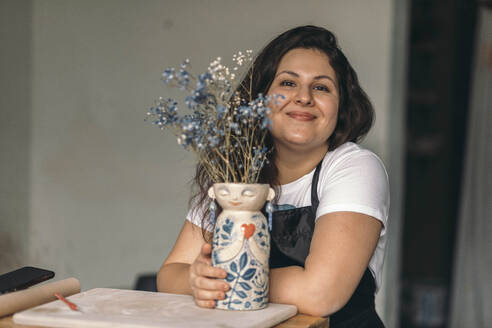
27 298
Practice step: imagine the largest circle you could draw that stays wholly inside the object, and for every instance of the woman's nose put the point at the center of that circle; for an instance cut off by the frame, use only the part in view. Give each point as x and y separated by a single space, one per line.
304 97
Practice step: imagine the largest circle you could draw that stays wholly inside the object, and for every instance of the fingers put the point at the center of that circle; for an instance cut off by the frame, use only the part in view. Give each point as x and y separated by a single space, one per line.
200 283
209 295
206 249
206 270
205 304
206 298
204 280
203 265
205 254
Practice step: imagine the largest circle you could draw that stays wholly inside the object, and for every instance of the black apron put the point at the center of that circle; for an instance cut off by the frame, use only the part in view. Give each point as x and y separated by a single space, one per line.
290 241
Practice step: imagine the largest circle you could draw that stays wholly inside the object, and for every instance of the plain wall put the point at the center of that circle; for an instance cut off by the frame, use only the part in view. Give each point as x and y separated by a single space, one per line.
15 134
88 188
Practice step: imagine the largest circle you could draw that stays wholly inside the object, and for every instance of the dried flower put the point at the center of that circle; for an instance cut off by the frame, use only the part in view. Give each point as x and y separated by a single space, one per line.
225 131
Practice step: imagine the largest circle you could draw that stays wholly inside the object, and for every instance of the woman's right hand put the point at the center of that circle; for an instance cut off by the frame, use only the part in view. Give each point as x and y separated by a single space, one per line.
204 283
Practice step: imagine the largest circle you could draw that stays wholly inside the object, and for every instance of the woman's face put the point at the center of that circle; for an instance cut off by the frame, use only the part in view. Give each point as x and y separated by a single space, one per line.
307 115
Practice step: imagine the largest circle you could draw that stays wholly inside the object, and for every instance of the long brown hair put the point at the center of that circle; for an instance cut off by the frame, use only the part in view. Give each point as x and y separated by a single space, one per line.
355 112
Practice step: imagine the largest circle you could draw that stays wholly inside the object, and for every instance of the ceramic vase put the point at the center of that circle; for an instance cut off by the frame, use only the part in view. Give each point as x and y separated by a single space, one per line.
241 243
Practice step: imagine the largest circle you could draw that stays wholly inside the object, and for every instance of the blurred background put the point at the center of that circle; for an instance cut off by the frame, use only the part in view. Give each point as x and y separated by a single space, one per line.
90 190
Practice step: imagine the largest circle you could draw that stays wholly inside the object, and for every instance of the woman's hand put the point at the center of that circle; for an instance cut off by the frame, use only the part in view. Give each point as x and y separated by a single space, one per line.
205 287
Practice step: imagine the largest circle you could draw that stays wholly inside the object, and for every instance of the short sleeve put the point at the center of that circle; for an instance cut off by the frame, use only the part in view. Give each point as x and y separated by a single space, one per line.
356 181
195 216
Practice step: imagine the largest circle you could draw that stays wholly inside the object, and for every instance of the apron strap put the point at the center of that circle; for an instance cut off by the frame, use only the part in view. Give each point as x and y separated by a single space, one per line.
314 188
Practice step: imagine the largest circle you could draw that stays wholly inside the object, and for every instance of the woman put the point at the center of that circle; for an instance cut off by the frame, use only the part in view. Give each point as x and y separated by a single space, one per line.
328 234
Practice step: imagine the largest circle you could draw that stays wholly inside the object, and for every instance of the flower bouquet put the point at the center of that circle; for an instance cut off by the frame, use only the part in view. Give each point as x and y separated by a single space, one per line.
225 131
226 128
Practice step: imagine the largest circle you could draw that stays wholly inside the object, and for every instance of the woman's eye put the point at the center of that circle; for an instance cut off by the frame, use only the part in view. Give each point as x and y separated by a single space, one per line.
322 88
287 83
248 193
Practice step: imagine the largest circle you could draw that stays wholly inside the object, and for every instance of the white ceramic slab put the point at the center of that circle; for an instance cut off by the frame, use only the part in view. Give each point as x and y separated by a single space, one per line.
104 307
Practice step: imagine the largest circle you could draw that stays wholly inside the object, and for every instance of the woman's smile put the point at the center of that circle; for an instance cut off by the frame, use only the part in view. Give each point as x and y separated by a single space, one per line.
301 116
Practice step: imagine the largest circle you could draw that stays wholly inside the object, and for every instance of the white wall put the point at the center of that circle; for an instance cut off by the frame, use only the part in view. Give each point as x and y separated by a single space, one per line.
108 192
15 112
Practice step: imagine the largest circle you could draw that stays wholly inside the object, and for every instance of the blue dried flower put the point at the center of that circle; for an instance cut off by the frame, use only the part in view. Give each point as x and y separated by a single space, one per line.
217 129
183 79
185 63
168 75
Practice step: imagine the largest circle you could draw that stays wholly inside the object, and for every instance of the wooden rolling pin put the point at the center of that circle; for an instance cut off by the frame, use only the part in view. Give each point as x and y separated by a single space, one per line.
27 298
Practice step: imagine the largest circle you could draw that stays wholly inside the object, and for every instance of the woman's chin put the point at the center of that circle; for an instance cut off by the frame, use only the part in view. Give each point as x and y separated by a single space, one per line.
299 143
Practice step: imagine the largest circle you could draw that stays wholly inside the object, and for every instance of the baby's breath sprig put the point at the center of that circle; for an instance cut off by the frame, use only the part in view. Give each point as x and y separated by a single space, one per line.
226 132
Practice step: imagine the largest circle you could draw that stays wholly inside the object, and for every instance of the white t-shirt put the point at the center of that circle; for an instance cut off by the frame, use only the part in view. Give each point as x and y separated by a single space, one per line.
351 179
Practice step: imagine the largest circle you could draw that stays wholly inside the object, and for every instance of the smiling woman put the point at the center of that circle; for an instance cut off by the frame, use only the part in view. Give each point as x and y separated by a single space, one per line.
332 196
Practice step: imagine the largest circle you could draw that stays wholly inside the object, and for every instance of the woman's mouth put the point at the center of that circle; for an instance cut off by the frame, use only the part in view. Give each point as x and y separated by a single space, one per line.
301 116
234 203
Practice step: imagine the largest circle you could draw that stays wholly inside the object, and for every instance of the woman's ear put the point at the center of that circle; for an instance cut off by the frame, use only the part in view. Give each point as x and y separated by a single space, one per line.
211 192
271 194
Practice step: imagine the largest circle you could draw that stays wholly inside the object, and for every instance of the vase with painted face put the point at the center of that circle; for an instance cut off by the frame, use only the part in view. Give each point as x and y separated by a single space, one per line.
241 243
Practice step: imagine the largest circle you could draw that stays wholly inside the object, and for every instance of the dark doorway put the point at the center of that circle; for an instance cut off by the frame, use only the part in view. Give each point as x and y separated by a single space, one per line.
440 62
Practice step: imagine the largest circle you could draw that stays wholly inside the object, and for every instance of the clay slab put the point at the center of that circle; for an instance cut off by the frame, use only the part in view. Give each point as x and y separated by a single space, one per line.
104 307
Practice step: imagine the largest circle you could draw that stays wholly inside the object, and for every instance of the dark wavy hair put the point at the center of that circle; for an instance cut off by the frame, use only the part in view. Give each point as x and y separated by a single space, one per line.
355 112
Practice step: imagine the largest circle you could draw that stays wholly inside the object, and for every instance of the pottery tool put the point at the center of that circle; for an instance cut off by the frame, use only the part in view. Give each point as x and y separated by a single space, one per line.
71 305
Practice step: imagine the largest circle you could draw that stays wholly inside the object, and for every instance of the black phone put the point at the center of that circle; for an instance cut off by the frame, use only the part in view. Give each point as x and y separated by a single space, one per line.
23 278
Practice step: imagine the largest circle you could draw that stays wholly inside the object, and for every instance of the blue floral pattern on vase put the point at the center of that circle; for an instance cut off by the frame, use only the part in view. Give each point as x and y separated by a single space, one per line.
247 272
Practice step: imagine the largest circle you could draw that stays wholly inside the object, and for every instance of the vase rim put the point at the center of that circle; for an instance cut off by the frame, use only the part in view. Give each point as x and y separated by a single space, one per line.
241 183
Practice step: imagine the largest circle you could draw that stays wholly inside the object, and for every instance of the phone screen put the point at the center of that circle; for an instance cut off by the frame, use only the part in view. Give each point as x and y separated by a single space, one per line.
23 278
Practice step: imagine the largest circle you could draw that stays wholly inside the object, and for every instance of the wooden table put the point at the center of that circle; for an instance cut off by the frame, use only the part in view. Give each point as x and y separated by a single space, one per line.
306 321
298 321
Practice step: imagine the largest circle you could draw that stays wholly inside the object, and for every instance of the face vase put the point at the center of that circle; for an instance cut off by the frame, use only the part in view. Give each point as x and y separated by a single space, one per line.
241 243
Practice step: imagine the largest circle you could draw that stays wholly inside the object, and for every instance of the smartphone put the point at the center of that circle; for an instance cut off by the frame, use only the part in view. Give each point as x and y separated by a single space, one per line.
23 278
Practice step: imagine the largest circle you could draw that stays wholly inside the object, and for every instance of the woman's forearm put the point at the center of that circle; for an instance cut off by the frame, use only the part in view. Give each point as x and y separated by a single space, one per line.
293 285
284 284
174 278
